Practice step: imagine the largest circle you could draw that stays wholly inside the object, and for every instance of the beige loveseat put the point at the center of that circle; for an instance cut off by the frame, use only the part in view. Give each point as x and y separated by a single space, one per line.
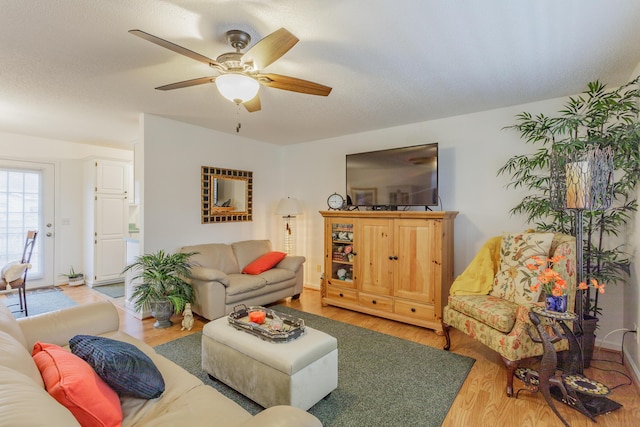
220 285
186 401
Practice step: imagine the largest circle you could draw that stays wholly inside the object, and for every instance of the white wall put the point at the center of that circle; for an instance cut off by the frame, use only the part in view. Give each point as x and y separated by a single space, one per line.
471 150
174 153
631 297
631 301
68 159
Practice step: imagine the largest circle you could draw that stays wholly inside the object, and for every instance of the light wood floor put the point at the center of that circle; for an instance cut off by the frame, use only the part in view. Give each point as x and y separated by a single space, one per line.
481 401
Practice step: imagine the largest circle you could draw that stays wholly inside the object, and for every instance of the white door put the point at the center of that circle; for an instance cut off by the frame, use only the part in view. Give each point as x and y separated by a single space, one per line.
111 177
110 220
109 242
27 203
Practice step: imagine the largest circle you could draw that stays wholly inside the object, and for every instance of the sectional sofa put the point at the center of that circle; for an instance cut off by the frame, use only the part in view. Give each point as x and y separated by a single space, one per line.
185 400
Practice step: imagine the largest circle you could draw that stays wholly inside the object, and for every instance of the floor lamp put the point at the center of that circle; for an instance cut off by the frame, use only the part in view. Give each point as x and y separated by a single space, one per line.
581 180
288 208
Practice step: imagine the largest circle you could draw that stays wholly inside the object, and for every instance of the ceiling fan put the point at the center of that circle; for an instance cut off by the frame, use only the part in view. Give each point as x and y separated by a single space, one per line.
240 74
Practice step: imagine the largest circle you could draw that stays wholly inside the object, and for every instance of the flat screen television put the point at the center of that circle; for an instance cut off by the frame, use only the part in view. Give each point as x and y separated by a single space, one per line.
388 179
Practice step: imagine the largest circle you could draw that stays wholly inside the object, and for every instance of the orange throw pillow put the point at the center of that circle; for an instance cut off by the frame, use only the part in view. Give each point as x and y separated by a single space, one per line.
74 384
264 263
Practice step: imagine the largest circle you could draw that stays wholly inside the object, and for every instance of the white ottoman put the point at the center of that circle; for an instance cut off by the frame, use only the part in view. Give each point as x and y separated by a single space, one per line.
297 373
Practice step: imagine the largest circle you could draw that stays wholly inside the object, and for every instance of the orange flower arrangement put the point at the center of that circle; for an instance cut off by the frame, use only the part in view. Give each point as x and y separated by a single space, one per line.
551 281
599 286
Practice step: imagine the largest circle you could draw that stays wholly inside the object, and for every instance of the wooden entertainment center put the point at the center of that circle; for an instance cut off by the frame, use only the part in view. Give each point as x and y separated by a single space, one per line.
392 264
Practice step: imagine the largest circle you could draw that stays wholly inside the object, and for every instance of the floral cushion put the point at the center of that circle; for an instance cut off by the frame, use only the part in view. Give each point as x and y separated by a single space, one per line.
515 345
487 309
513 280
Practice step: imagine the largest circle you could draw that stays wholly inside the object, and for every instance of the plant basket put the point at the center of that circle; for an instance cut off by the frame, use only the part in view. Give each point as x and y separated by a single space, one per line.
76 280
162 311
588 339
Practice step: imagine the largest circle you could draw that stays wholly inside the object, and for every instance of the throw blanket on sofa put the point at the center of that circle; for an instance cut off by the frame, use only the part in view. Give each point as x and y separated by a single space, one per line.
477 278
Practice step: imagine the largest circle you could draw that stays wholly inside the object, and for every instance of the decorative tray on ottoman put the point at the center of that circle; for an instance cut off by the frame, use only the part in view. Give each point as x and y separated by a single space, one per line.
266 323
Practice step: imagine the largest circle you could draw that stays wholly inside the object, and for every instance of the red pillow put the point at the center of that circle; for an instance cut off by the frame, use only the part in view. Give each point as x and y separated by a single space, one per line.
264 263
74 384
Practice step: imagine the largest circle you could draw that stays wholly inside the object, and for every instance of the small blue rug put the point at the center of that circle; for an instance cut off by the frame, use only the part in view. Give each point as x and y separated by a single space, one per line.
39 301
114 290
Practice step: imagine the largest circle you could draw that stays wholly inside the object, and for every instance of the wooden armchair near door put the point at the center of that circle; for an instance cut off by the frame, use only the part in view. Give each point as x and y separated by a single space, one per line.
490 301
14 274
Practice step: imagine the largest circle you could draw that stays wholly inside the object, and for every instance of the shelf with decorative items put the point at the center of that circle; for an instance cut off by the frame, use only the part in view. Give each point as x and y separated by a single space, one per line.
342 253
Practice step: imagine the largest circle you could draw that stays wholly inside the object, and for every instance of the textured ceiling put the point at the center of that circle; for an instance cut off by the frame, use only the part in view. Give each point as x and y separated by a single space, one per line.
69 69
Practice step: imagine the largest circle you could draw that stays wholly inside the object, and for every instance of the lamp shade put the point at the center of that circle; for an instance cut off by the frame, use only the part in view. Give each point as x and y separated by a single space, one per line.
288 207
582 178
237 87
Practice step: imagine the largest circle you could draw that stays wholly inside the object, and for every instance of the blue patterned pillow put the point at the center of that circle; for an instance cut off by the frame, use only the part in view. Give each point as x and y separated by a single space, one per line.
123 366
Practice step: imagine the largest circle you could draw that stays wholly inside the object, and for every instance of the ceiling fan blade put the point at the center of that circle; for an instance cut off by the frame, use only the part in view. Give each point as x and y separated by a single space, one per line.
270 48
293 84
187 83
253 104
174 47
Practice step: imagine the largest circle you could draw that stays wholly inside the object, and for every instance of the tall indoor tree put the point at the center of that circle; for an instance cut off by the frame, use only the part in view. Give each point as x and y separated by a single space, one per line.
600 117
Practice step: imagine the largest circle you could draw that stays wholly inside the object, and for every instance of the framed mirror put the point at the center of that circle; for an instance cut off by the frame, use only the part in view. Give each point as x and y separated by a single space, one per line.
226 195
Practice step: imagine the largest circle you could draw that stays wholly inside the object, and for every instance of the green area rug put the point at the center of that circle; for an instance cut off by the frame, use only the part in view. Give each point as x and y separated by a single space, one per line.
40 301
382 380
114 290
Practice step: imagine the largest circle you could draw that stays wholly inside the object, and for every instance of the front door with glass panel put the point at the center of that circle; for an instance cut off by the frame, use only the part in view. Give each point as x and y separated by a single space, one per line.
27 203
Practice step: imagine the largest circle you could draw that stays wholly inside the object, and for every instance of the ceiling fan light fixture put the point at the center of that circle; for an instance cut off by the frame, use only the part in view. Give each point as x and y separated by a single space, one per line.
237 88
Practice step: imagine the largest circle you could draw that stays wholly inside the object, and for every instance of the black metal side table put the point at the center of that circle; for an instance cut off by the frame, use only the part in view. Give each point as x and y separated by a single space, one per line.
567 385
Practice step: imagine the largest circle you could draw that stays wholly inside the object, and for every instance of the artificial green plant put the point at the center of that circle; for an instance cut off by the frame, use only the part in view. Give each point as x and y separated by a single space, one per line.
72 274
601 117
161 277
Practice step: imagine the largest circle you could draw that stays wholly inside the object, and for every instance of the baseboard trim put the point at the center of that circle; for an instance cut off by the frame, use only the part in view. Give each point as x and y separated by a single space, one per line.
633 369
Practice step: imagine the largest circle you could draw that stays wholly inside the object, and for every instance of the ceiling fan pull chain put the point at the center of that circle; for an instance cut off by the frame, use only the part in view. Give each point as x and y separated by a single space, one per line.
238 114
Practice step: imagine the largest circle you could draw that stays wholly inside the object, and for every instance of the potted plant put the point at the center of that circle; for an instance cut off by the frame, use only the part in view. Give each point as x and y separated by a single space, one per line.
75 279
162 288
600 118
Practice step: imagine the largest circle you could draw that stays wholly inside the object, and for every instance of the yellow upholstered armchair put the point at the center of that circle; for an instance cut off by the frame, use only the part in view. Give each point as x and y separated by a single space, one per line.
491 299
